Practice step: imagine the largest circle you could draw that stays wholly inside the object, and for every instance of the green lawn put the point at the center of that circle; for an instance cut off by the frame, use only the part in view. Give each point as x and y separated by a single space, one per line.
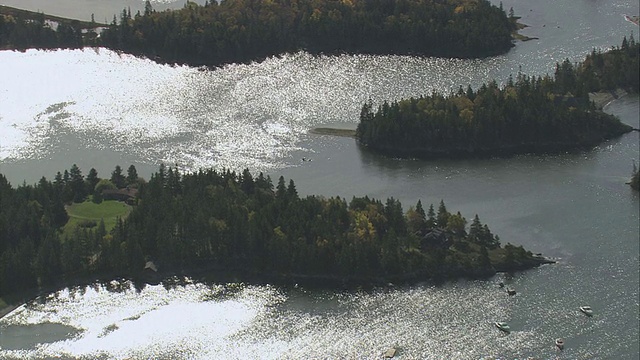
108 210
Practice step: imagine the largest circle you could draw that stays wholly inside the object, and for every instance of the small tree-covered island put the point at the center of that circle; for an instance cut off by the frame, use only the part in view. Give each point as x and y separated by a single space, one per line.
231 31
231 227
528 115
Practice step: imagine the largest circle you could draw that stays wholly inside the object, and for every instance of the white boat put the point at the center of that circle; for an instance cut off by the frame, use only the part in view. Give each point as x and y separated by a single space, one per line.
560 343
503 326
390 353
586 309
634 19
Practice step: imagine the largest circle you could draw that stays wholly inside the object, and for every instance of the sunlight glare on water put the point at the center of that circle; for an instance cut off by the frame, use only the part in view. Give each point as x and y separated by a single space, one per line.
191 321
454 321
572 206
246 115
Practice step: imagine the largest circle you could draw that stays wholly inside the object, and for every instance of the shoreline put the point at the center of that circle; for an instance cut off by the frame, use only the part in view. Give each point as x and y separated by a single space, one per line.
8 309
215 275
603 98
517 36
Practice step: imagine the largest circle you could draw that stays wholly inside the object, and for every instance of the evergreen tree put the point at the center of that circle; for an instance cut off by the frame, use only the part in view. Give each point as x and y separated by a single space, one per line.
416 219
431 217
292 193
117 178
281 188
148 9
92 180
443 215
59 216
77 184
475 229
132 176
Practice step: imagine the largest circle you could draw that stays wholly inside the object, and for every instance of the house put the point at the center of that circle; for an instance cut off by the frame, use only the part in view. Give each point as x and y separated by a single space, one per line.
127 195
150 274
435 238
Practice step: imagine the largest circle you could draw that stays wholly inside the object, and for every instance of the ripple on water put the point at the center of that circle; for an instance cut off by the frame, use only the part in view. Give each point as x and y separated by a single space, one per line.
236 321
241 115
183 321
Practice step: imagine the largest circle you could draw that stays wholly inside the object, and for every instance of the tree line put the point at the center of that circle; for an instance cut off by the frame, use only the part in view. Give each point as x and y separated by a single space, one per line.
21 30
233 31
228 221
242 30
528 114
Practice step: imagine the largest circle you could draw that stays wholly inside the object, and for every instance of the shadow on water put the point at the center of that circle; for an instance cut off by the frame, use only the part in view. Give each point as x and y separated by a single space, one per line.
22 337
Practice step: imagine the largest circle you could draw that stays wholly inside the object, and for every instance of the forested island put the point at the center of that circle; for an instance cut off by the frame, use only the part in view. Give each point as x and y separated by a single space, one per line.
231 226
247 30
526 115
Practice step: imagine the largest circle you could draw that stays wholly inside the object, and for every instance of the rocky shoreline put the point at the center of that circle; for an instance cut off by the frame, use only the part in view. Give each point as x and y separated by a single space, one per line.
603 98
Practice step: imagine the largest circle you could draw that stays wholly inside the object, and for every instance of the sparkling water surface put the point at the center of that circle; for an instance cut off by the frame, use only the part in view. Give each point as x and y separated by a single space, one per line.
97 108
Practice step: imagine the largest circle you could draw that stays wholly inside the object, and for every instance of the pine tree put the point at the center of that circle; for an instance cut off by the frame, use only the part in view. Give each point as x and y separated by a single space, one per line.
475 229
281 188
117 178
132 176
443 215
431 218
77 184
92 180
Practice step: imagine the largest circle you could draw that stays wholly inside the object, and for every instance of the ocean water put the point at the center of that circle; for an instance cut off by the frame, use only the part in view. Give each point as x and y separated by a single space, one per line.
97 108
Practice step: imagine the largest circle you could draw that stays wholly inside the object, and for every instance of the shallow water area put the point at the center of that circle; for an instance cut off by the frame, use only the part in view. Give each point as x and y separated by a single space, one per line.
22 337
117 320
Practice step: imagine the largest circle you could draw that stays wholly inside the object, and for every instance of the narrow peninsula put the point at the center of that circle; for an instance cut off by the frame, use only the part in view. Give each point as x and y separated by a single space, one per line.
231 227
526 115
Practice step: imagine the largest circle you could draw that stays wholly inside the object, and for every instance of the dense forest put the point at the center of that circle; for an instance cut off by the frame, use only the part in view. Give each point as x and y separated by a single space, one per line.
243 30
226 222
232 31
526 115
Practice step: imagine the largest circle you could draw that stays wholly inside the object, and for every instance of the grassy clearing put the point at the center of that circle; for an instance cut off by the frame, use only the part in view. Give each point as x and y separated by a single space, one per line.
108 210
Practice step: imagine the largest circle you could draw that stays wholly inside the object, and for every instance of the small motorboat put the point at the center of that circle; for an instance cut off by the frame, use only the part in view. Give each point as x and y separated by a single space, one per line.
503 326
560 343
390 353
511 291
634 19
587 310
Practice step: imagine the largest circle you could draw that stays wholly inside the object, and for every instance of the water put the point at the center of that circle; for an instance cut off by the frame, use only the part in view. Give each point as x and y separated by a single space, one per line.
99 109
